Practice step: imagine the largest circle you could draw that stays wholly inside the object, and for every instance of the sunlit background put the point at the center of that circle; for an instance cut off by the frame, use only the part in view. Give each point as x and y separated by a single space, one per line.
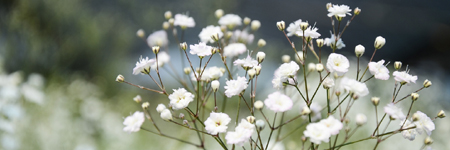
59 60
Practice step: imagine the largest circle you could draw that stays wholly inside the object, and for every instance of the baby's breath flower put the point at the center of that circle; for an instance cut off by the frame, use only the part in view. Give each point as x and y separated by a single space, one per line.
397 65
235 87
258 104
140 33
281 25
145 105
359 50
337 63
218 13
404 78
309 33
339 11
319 67
217 123
200 49
120 78
288 70
394 112
261 43
319 42
207 32
260 56
278 102
285 58
409 134
331 42
426 83
243 36
168 14
246 63
184 21
379 42
215 85
163 58
166 115
137 99
230 20
328 83
311 67
160 108
294 27
255 25
133 123
361 119
143 65
242 133
317 133
234 49
260 124
333 125
423 123
379 70
180 98
441 114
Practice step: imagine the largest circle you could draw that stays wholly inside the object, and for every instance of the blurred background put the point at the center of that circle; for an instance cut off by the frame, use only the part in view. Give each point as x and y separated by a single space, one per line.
59 59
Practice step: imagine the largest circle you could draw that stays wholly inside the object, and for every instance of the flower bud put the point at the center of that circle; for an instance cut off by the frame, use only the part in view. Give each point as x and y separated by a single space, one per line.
165 25
329 5
286 58
251 119
155 49
328 83
251 73
187 70
260 56
247 20
319 67
304 25
359 50
397 65
261 43
215 85
427 83
160 108
258 105
257 69
171 21
299 56
357 11
311 67
305 111
260 124
441 114
379 42
428 141
375 100
303 139
183 46
168 15
214 50
215 37
415 117
137 99
185 122
361 119
228 34
140 33
223 28
219 13
120 78
281 25
414 96
319 42
145 105
255 25
181 116
166 115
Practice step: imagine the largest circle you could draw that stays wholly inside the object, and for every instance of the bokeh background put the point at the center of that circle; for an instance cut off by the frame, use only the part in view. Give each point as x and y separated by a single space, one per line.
70 51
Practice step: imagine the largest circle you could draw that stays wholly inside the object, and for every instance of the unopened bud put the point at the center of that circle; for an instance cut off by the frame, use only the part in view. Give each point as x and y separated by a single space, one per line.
319 67
120 78
375 100
251 119
251 73
181 116
171 21
427 83
347 129
311 67
183 46
160 108
247 20
215 37
359 50
281 25
304 25
286 58
219 13
155 49
215 85
361 119
414 96
166 115
257 69
214 50
140 33
145 105
261 43
397 65
223 28
305 111
303 139
260 124
415 117
428 141
228 34
379 42
255 25
319 42
260 56
258 105
299 56
185 122
329 5
168 15
165 25
137 99
441 114
357 11
187 70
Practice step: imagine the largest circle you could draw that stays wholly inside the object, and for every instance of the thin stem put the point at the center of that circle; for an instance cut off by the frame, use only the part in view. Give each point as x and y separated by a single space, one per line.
409 95
170 137
141 87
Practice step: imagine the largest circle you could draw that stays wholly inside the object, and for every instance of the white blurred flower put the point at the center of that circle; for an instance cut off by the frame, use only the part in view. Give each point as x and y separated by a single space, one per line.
158 38
379 70
339 11
217 123
33 94
294 27
9 142
361 119
213 73
288 70
330 42
242 37
133 123
235 87
337 63
234 49
184 21
230 20
317 133
278 102
242 133
166 115
394 112
180 98
328 83
200 49
246 63
315 111
207 32
163 58
356 88
309 32
408 134
423 123
403 77
12 111
160 108
143 65
333 125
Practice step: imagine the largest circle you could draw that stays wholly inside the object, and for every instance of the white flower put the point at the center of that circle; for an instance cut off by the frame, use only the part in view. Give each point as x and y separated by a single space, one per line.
242 133
328 83
294 27
180 98
356 88
206 33
309 32
246 63
215 85
242 37
143 65
234 49
278 102
317 133
423 123
339 11
158 38
184 21
315 111
337 63
217 123
160 108
403 77
331 42
213 73
361 119
133 123
408 134
163 58
235 87
166 115
394 112
288 70
379 70
333 125
230 20
200 49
